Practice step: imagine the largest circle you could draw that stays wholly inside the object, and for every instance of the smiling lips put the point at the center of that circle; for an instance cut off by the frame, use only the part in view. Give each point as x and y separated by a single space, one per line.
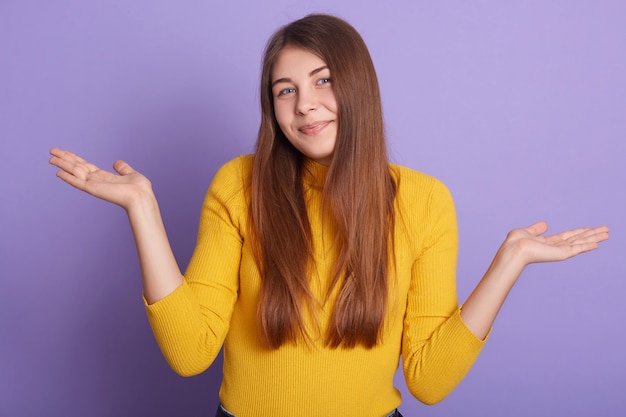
314 128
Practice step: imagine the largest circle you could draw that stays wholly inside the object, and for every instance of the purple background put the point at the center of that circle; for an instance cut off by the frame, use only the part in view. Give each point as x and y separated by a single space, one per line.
519 107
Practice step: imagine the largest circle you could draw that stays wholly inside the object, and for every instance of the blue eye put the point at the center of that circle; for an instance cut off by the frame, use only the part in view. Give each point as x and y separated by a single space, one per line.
324 81
286 91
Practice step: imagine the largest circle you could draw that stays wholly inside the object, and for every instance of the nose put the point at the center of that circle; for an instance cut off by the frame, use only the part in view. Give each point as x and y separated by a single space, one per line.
307 101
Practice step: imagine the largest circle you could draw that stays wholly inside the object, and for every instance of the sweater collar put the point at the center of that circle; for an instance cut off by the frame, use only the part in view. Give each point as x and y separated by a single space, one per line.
314 174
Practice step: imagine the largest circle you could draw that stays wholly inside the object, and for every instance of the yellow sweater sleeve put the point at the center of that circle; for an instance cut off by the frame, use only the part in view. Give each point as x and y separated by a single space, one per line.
437 348
190 324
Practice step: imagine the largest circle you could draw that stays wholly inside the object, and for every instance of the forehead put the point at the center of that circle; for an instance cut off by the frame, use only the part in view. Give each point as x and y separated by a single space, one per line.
295 61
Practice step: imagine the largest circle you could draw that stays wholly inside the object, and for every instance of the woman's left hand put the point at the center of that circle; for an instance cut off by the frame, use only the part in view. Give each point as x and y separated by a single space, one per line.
522 247
533 247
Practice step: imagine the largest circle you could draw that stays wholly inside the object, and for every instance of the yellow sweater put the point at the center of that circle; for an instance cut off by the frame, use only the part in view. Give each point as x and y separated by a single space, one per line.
217 304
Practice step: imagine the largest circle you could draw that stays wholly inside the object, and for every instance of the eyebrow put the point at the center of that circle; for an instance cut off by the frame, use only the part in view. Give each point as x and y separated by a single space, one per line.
288 80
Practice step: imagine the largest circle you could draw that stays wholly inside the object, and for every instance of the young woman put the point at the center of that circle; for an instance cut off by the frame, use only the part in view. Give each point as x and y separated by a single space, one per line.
318 263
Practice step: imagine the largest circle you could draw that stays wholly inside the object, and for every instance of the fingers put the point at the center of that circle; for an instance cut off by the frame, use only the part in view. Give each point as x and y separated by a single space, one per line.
119 189
72 180
66 155
591 235
71 163
79 167
582 247
586 234
578 241
583 234
537 229
75 170
558 246
123 168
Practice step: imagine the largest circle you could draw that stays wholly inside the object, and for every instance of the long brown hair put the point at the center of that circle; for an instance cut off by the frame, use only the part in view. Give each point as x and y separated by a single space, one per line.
359 192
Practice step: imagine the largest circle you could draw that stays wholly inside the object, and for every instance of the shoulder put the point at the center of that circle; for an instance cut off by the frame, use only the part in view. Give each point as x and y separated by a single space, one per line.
424 207
233 178
419 187
237 170
239 167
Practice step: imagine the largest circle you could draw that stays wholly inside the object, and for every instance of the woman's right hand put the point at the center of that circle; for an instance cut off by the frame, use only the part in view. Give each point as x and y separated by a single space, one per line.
132 191
124 189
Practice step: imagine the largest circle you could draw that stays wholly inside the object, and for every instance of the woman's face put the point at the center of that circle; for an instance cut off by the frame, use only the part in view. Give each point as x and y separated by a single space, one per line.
304 103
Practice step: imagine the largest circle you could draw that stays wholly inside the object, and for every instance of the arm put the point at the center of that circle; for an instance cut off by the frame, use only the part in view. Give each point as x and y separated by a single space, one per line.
437 348
191 324
189 318
133 192
441 342
522 247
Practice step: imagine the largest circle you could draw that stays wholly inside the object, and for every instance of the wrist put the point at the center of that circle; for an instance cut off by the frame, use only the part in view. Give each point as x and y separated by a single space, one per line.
142 203
511 254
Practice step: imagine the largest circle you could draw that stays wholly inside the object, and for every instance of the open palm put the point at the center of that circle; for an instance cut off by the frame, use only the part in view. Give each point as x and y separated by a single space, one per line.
122 188
538 248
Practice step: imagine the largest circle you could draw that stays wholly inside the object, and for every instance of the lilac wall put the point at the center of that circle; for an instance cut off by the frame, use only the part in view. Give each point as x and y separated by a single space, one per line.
519 107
